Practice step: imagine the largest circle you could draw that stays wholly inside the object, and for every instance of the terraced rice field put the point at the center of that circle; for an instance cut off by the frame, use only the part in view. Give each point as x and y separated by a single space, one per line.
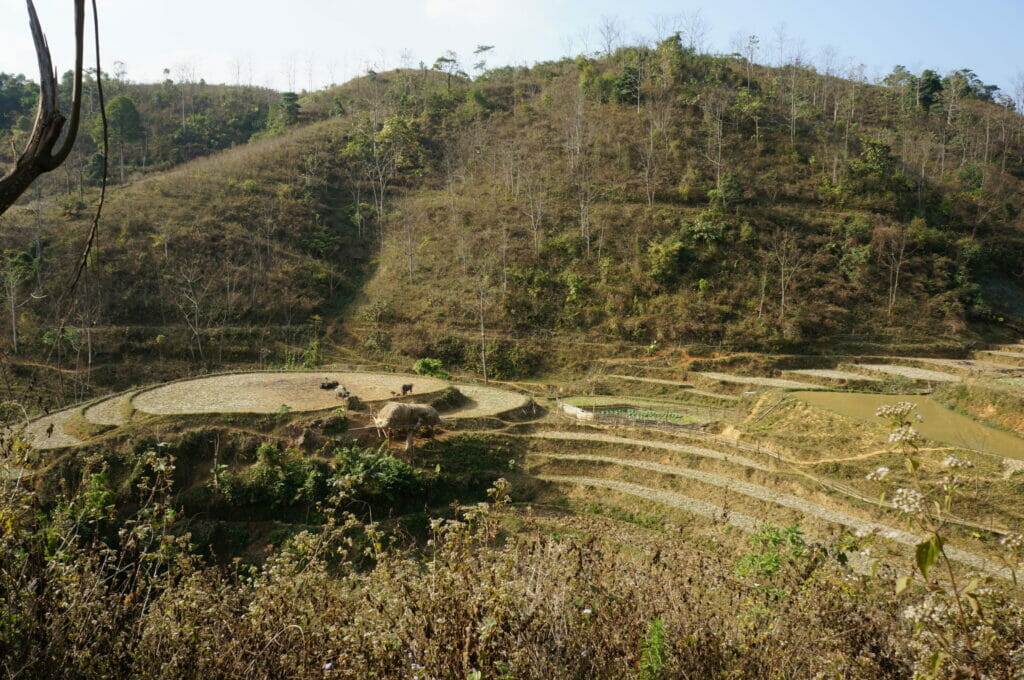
1011 356
910 372
729 484
268 392
667 498
260 393
689 389
112 411
973 365
56 438
651 444
777 383
939 424
834 374
486 401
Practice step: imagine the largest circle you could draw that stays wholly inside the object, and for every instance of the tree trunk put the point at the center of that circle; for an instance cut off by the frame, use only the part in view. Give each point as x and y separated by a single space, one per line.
483 343
42 154
14 318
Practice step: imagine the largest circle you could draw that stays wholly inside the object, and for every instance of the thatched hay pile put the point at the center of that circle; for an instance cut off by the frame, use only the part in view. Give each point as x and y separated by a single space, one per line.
396 416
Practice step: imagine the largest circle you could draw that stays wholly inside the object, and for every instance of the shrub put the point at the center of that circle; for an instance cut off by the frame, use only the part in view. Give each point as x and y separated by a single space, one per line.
430 367
369 475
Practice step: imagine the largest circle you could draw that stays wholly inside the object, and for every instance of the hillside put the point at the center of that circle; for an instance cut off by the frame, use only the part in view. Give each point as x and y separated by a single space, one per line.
654 197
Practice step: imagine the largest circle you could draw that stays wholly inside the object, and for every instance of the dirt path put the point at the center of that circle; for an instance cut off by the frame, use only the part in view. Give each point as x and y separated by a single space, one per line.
746 522
665 446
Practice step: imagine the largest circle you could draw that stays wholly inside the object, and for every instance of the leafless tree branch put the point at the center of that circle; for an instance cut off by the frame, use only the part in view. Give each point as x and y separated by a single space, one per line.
42 153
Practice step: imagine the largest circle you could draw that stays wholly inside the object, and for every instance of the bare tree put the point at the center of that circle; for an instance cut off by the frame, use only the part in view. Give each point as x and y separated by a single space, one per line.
750 51
16 269
290 70
408 236
790 259
610 30
715 104
42 153
578 142
194 289
534 200
310 70
694 31
649 147
893 244
187 75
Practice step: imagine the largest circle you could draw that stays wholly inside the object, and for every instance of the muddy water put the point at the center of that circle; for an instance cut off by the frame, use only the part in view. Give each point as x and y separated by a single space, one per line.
940 424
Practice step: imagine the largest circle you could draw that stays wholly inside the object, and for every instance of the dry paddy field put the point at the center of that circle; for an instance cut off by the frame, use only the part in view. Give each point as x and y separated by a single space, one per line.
778 383
268 392
486 401
48 431
833 374
910 372
112 411
261 393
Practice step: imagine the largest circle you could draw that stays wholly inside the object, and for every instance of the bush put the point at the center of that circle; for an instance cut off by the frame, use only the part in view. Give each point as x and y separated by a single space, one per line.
367 474
432 368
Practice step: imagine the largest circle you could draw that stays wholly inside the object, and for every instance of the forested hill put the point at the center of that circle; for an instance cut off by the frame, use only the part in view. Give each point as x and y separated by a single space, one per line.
152 126
651 196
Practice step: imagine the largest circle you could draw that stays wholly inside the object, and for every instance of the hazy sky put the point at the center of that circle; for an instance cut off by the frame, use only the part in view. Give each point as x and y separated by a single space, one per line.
302 42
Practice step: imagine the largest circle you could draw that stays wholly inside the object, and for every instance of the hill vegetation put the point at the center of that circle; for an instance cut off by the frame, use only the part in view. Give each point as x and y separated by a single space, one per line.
653 195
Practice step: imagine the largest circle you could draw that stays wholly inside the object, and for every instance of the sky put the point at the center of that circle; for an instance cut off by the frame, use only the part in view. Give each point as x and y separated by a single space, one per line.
304 44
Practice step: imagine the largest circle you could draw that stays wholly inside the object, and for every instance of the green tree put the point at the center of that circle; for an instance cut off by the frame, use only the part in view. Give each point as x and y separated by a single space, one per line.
16 267
124 124
448 63
927 88
285 112
17 96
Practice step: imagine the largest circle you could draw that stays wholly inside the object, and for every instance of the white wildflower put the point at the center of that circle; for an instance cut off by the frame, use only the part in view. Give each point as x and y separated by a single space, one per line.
879 474
909 501
930 611
1012 541
897 410
954 462
904 435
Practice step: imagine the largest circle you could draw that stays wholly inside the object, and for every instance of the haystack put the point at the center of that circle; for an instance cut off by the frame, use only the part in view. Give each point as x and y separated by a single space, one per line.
396 416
